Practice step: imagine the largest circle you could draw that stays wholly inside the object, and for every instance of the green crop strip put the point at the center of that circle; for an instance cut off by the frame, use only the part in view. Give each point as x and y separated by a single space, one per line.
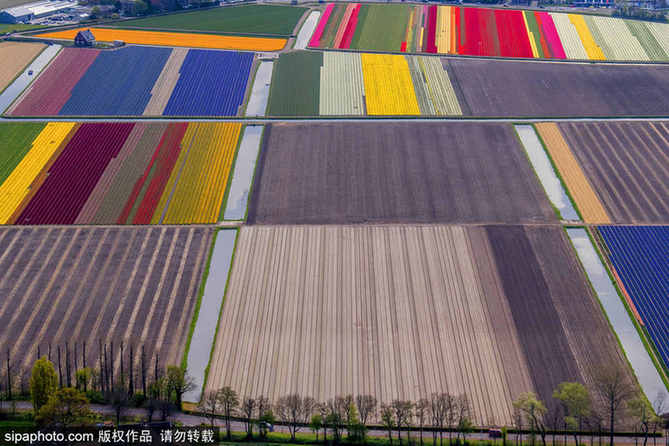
384 27
17 140
275 21
295 86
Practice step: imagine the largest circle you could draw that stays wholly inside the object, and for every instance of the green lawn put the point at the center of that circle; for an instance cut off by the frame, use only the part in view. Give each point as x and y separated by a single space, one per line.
16 139
7 27
248 19
295 88
383 28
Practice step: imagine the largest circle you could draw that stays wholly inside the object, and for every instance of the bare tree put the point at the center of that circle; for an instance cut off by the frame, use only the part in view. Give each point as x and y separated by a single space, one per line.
294 411
437 417
614 389
450 403
247 409
366 407
422 410
118 397
209 405
463 415
228 401
403 415
388 420
336 409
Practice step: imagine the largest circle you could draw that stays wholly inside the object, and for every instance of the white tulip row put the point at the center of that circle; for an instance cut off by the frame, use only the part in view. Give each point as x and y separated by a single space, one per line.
342 87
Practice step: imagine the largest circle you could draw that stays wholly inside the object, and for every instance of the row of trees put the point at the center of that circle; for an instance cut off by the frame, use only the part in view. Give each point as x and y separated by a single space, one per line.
115 365
572 410
160 393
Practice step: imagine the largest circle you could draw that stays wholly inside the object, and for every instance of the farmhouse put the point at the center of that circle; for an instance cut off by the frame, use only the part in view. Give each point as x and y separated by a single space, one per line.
84 38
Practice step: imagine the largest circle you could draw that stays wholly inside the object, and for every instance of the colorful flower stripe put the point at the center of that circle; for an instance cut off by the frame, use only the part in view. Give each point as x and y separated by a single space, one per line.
65 71
176 172
343 24
350 28
73 176
135 83
315 40
431 47
592 49
501 33
164 38
16 187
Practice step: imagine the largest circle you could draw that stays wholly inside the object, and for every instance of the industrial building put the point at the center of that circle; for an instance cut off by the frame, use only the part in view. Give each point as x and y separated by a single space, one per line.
31 11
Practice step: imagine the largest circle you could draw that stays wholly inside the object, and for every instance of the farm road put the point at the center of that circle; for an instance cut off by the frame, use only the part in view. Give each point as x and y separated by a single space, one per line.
237 426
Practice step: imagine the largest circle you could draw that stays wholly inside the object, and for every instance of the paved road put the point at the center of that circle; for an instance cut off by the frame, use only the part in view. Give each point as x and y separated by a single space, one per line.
237 426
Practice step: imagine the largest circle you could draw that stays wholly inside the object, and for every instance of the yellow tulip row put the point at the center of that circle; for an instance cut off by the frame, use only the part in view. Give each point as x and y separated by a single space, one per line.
388 86
197 184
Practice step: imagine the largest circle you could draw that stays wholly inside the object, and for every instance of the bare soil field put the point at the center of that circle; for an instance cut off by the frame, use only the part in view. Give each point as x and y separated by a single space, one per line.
404 311
84 285
522 88
15 56
325 311
395 172
563 332
628 165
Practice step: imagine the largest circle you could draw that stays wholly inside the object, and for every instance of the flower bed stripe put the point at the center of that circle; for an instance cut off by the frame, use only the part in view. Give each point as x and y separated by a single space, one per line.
74 174
51 91
316 37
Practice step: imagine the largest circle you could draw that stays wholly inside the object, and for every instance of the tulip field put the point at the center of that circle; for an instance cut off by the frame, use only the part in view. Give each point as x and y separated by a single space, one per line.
138 81
139 173
616 172
489 32
172 39
83 285
639 257
363 84
338 83
401 312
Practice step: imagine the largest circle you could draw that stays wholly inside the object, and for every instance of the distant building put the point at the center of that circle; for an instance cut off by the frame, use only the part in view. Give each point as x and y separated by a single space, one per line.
84 38
31 11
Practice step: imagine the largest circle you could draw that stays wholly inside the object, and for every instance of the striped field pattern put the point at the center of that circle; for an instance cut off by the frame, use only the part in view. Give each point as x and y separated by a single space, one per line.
90 285
141 173
479 31
400 312
139 81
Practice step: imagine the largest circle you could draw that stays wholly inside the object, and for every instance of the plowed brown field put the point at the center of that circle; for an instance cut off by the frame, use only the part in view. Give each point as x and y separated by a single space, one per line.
404 311
627 164
76 285
395 172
